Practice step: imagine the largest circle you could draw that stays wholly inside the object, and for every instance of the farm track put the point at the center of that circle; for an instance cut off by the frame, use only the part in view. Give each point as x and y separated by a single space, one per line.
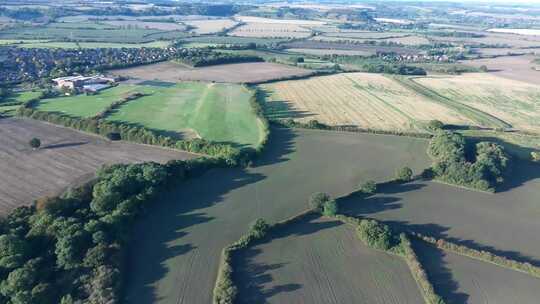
483 118
66 157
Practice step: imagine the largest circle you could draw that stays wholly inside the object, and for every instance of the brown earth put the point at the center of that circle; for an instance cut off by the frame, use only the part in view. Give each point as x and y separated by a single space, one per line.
460 279
510 67
66 158
253 72
318 260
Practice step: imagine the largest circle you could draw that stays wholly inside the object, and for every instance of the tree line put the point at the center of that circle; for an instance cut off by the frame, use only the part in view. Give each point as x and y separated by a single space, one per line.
206 57
70 248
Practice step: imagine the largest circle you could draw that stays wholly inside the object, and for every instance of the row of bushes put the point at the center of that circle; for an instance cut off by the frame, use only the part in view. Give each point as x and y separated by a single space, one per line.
206 57
225 290
379 236
138 134
482 255
418 272
70 249
115 105
314 124
480 167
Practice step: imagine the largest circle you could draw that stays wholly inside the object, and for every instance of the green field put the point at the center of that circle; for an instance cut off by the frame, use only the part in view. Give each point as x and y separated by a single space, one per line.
84 45
112 35
20 97
217 112
87 106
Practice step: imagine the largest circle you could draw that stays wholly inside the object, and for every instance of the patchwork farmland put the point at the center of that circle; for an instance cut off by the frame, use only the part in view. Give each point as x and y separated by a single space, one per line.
176 240
216 112
361 99
231 73
319 260
66 158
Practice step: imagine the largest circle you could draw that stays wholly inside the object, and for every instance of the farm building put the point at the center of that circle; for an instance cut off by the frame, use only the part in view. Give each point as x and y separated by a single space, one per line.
79 82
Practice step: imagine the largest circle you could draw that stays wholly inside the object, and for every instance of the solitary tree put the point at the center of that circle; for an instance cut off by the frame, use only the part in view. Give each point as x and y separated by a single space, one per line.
330 208
404 174
368 187
317 200
435 124
35 143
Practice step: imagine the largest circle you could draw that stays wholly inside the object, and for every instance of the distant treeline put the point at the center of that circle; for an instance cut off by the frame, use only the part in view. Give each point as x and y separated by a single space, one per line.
206 57
71 249
481 166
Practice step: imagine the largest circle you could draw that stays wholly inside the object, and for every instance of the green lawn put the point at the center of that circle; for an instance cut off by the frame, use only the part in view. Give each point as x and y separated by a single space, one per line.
216 112
84 45
20 97
87 106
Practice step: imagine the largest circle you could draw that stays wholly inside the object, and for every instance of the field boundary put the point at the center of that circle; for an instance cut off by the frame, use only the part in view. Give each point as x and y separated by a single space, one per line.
315 125
481 255
138 134
473 113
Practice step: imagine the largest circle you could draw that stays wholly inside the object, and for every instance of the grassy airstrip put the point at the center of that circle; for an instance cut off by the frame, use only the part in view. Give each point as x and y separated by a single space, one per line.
179 242
216 112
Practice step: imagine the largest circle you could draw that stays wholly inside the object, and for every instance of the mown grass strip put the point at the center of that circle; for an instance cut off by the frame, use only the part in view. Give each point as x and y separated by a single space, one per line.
480 117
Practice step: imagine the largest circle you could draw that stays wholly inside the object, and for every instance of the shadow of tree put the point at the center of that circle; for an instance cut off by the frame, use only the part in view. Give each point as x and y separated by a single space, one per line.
254 278
438 272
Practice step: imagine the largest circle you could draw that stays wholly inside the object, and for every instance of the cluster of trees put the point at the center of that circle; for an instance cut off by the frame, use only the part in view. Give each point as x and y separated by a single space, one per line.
389 68
139 134
206 57
481 166
225 290
69 249
322 203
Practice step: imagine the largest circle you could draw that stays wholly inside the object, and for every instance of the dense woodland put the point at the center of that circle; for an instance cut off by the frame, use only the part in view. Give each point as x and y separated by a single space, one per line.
71 248
207 57
481 166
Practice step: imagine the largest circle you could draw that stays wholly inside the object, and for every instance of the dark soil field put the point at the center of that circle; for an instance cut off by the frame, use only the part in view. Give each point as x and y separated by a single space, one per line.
254 72
66 157
309 44
511 67
178 244
461 280
317 260
504 222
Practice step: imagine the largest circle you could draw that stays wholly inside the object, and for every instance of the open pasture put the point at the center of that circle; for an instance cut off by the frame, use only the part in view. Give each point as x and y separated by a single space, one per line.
66 158
360 99
513 102
330 45
88 105
407 40
178 244
504 222
459 279
322 52
204 27
317 260
216 112
20 97
113 35
87 45
512 67
129 24
271 30
254 72
250 19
